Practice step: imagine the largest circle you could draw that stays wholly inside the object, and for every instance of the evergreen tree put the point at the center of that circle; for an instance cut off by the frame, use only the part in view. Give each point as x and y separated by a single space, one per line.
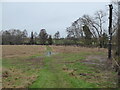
50 41
88 35
31 39
43 36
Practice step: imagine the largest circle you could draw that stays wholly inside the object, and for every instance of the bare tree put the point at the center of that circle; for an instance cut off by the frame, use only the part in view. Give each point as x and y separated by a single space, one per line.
75 30
115 17
96 24
35 37
57 35
25 34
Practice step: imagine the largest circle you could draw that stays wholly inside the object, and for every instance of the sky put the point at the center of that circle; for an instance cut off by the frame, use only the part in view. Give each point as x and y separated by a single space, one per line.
0 16
52 16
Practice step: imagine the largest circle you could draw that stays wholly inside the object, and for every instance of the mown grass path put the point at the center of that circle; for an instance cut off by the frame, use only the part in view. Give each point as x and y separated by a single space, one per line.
51 76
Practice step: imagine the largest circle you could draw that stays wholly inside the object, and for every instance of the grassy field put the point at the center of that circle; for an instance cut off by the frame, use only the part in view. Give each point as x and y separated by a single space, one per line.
66 67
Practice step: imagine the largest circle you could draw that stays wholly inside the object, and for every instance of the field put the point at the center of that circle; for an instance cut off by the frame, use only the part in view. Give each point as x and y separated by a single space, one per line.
35 66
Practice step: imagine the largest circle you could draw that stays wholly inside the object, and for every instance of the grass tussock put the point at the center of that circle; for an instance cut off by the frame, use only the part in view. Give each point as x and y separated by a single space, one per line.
14 78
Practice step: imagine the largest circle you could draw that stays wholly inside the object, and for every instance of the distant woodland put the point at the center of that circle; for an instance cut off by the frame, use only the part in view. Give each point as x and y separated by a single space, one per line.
84 31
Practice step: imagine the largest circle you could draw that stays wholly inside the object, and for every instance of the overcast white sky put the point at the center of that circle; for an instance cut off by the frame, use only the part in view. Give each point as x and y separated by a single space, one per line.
53 16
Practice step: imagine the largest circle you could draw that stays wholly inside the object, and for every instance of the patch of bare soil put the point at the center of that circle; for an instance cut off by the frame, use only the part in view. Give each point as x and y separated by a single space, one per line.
99 60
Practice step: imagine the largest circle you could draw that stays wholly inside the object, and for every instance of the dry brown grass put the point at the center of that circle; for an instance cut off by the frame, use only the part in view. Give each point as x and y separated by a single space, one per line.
14 78
21 50
20 77
27 50
74 49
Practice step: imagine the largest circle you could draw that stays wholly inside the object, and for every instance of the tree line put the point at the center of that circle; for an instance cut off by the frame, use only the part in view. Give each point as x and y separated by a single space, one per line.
18 37
85 31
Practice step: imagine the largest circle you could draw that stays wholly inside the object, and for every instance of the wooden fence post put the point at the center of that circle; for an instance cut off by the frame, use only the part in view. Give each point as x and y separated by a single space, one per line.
110 32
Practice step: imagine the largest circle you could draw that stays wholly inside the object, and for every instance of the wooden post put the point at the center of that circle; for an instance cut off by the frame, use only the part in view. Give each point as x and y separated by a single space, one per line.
110 32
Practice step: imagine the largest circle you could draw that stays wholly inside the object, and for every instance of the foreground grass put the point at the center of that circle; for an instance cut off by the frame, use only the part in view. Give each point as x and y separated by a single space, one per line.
18 73
61 70
66 71
53 76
